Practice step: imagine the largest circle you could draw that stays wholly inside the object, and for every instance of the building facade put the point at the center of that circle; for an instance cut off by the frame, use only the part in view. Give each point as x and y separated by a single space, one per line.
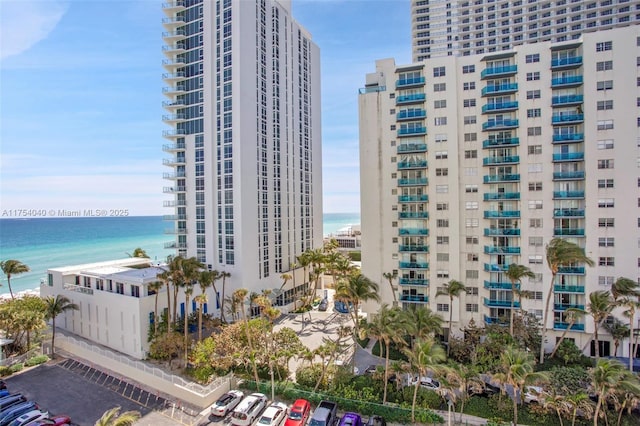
470 27
242 80
472 163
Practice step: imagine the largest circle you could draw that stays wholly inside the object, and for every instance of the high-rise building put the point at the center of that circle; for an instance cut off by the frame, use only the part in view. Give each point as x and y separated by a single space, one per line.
242 81
468 27
472 163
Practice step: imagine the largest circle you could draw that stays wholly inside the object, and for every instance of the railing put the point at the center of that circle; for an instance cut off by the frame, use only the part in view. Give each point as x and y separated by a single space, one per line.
563 118
412 131
174 146
490 214
413 215
419 113
413 265
503 70
173 4
568 137
565 306
171 34
569 61
493 285
174 75
501 178
416 298
568 156
412 198
568 194
508 232
413 281
413 231
563 81
500 303
176 20
501 160
412 147
489 196
509 87
494 320
416 97
502 106
576 232
413 247
568 212
78 288
500 124
413 181
489 143
568 288
501 250
568 175
567 99
412 164
493 267
372 89
571 270
409 81
565 325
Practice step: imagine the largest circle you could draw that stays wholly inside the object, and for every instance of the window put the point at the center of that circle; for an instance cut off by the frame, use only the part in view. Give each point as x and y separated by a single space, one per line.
605 164
471 240
442 240
605 144
470 119
605 183
606 261
534 149
606 242
605 124
471 188
535 186
119 288
606 203
442 206
605 280
440 121
442 155
606 222
442 223
441 137
469 103
442 307
535 204
471 223
535 259
535 168
533 76
533 94
534 112
472 307
442 189
535 223
472 257
439 72
440 103
604 85
442 274
468 69
439 87
442 171
535 241
529 59
135 291
604 66
471 153
469 85
604 46
470 137
605 105
534 131
442 257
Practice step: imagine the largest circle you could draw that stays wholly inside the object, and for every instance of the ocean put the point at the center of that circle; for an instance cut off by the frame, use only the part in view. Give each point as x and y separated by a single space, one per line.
48 243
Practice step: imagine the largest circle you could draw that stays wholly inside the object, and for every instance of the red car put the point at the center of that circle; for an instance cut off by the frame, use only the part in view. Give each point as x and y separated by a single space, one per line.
299 413
53 421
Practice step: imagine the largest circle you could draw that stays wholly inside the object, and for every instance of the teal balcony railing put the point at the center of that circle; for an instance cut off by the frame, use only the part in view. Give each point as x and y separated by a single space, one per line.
412 147
565 325
492 214
500 303
568 175
566 100
412 198
491 143
413 215
568 137
568 288
500 124
566 232
420 164
499 71
413 281
406 115
493 285
568 156
494 267
407 99
566 118
501 250
500 107
507 159
572 61
413 181
568 194
501 178
568 213
406 82
500 232
500 89
413 231
495 320
411 131
414 265
565 306
414 298
571 270
570 80
490 196
413 247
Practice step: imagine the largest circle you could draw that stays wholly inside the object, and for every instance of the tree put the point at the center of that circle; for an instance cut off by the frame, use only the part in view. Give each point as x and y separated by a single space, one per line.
12 267
139 252
618 331
599 308
165 277
451 289
626 294
239 298
354 290
224 275
201 299
515 274
571 316
607 377
155 286
559 253
188 291
421 322
424 357
113 417
579 401
390 276
54 307
206 279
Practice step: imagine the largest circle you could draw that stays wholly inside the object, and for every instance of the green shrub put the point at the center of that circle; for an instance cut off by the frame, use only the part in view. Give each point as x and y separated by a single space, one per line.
4 371
36 360
355 256
16 367
307 377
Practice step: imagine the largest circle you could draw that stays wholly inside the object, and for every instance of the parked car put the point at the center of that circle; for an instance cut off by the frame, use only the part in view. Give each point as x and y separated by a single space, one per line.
299 413
29 417
16 411
376 421
425 382
326 414
324 304
249 409
351 419
60 420
10 400
4 393
532 394
488 389
3 385
274 415
371 369
226 403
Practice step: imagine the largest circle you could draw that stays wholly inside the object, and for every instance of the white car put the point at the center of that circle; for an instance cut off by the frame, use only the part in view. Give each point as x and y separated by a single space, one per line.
532 394
249 409
425 382
29 417
274 415
226 403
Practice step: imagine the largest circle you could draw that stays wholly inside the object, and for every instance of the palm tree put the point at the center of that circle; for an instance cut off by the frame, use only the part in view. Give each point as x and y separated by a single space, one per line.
451 289
139 252
55 306
224 275
239 298
607 377
12 267
206 279
579 401
624 287
559 253
155 286
113 417
618 331
631 305
515 274
571 317
188 291
599 308
421 322
558 403
424 357
165 277
517 370
390 276
355 290
201 299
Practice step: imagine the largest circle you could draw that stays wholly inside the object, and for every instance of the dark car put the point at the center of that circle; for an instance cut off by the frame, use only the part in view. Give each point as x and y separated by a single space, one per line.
3 385
351 419
324 304
371 369
376 421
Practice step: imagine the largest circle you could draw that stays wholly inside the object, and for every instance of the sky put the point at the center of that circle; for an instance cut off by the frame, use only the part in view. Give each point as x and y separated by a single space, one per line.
81 95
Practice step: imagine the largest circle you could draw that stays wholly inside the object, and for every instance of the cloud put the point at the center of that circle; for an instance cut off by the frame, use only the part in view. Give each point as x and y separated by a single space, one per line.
25 23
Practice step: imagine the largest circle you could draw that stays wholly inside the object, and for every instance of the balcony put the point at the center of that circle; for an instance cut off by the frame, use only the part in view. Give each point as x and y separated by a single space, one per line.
565 325
413 231
567 118
414 298
514 177
413 215
174 203
413 265
571 270
413 281
494 214
173 161
501 250
501 232
490 196
176 231
498 71
412 131
500 89
568 194
494 267
172 64
500 303
412 147
565 306
413 181
175 245
493 285
568 213
175 133
494 321
568 232
413 198
410 115
409 99
421 164
173 189
508 159
568 175
171 8
408 82
566 100
568 156
568 137
173 22
173 105
572 80
172 176
568 288
173 90
174 147
174 77
174 217
500 107
570 62
174 36
492 143
174 118
413 248
507 123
